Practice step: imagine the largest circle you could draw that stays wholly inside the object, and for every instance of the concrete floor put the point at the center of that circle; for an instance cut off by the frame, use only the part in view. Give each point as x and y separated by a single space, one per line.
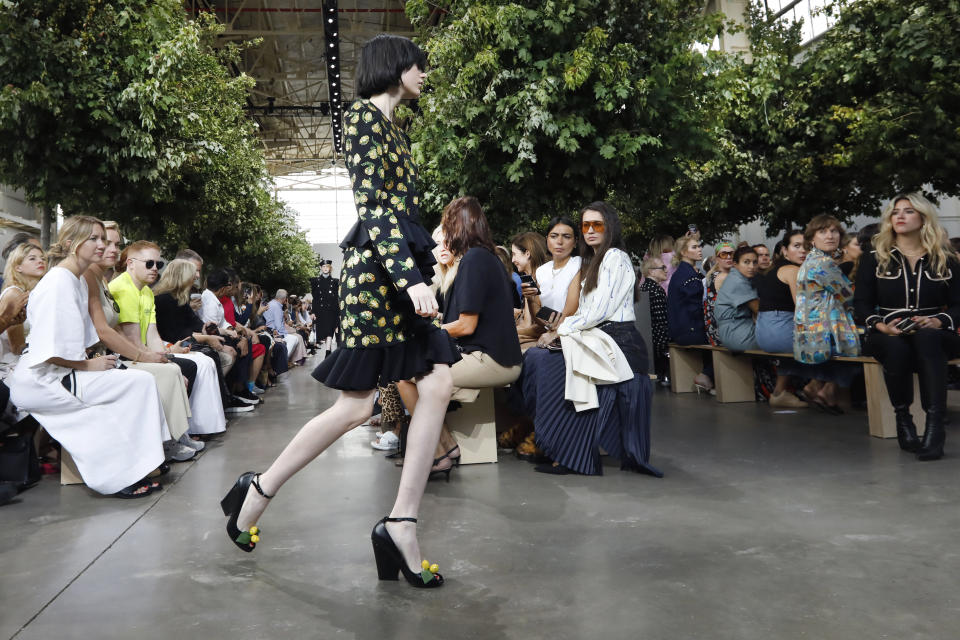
766 526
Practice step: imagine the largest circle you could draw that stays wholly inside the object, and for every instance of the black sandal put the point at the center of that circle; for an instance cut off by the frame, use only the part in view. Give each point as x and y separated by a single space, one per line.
130 493
231 504
390 562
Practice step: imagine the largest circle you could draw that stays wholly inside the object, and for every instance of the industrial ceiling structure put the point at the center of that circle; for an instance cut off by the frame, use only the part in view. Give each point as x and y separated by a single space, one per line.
304 70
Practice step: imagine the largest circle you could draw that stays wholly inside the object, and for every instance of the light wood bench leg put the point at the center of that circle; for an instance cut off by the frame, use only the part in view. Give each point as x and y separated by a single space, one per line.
734 377
685 364
68 469
474 427
883 423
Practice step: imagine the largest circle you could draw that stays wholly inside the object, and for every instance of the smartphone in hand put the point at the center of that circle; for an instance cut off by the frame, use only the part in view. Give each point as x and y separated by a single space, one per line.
545 313
527 279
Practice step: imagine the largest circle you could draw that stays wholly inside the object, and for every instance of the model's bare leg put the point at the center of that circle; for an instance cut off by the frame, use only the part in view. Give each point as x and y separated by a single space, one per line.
410 395
434 391
351 409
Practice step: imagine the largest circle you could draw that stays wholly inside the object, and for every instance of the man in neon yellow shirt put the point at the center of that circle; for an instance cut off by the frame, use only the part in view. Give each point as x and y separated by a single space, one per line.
138 321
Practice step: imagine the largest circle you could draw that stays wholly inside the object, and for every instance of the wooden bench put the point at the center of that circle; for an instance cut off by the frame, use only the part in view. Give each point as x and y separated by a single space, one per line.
733 377
474 427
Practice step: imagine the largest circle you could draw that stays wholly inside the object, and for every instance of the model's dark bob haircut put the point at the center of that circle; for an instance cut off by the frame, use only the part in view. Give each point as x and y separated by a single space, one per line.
383 60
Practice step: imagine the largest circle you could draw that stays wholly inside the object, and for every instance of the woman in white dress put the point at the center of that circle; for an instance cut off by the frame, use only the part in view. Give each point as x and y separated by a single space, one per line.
109 419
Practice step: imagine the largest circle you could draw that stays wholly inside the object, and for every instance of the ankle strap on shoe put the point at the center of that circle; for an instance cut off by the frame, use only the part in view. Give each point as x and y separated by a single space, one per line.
399 519
256 485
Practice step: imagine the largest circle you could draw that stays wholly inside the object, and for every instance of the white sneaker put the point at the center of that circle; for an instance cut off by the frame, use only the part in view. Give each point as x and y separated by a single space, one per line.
173 450
387 442
187 441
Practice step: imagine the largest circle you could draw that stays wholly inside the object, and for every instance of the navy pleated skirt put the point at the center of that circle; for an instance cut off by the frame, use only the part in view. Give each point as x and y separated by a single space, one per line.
621 424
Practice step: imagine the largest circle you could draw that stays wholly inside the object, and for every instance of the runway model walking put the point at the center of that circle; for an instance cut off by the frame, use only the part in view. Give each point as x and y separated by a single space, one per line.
387 318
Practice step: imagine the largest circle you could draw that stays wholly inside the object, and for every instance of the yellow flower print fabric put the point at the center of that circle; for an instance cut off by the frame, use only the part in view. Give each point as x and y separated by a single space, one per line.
373 305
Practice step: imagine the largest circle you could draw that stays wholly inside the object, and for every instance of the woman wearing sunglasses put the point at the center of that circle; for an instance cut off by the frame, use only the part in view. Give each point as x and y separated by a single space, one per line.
620 420
715 278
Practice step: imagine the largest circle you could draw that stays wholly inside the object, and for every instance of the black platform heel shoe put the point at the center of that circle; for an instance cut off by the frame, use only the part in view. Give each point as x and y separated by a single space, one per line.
390 562
454 462
231 504
931 446
906 430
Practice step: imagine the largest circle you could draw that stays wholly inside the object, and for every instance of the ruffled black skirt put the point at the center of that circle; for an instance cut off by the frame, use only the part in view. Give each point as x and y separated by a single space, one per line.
369 355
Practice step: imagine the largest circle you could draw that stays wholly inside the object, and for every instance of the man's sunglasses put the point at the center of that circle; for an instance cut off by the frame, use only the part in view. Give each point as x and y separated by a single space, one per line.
596 225
150 264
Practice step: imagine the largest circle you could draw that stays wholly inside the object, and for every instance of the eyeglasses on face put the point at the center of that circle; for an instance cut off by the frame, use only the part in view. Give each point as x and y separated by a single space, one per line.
658 268
596 225
150 264
725 254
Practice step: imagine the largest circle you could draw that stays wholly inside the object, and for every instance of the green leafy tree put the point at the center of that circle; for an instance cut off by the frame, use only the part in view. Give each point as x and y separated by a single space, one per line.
871 108
540 107
124 109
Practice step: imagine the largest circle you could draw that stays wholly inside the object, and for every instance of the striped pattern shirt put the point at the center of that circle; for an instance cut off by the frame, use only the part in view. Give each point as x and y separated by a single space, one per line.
610 301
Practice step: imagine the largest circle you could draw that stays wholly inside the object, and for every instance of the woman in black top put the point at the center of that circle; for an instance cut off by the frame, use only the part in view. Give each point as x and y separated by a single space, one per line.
908 296
478 313
387 315
777 293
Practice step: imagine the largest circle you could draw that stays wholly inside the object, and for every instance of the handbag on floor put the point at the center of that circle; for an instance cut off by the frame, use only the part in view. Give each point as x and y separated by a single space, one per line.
18 455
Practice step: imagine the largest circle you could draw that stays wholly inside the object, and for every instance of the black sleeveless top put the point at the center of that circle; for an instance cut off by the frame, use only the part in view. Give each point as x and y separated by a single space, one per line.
773 294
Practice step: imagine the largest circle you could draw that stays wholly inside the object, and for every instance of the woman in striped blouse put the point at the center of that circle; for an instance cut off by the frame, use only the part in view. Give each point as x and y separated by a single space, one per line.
621 422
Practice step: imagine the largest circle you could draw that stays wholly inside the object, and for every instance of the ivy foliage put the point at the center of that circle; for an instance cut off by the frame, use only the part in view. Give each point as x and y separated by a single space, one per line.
540 107
125 110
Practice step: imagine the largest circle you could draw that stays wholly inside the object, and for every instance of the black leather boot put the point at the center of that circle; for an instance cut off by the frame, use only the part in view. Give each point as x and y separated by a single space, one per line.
931 447
906 430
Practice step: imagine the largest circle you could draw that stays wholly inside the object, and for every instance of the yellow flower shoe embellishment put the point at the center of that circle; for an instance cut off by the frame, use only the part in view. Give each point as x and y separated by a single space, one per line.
429 571
249 537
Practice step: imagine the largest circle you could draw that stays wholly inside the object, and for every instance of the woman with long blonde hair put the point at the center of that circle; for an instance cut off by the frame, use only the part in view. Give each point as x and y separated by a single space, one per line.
25 266
908 296
112 451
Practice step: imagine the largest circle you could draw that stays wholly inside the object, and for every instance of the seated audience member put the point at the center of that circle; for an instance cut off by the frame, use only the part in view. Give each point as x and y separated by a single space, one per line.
18 239
723 253
737 303
662 247
824 315
220 284
685 303
169 377
196 302
504 255
275 319
278 350
764 259
558 279
655 274
25 266
178 324
865 242
777 294
138 322
850 253
612 405
249 341
299 322
249 316
477 314
529 252
115 433
559 293
908 297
